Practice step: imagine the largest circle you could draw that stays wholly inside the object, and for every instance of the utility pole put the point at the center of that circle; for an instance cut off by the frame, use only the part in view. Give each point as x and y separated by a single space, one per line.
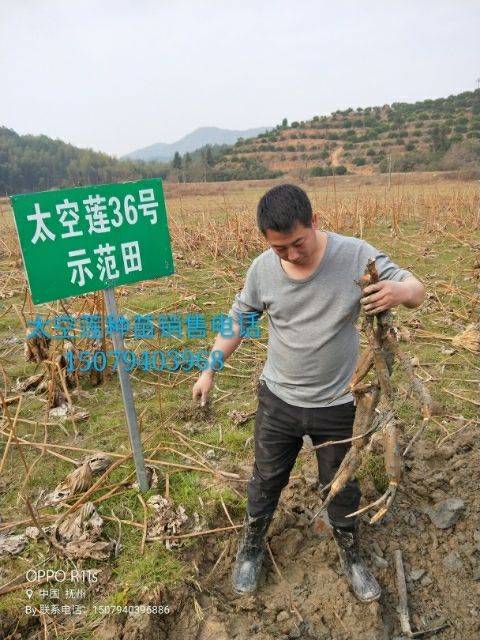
389 171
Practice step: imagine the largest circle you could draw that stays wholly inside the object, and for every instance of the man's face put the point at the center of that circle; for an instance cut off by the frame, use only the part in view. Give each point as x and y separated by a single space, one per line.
296 246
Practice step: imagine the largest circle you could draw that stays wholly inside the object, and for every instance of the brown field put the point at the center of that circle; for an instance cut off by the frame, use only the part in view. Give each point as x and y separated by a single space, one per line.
427 223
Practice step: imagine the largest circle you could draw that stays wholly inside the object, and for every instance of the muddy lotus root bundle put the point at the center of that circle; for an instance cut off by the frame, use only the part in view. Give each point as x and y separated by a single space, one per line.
375 416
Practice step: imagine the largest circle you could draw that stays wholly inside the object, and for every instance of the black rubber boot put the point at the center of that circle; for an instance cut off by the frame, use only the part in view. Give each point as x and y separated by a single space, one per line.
250 554
363 583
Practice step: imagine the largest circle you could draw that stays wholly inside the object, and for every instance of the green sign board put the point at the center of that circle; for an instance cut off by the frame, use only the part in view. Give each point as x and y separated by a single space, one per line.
84 239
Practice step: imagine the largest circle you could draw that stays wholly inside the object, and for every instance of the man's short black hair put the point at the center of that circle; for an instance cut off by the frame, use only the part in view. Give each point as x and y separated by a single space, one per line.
281 207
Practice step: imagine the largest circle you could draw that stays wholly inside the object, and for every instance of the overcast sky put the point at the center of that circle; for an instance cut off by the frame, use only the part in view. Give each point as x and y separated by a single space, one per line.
116 75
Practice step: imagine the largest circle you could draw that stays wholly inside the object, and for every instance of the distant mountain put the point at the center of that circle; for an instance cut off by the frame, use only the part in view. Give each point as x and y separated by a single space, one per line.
192 141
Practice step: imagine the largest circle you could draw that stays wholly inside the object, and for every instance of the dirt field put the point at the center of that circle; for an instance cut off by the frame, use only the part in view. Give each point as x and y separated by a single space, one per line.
427 223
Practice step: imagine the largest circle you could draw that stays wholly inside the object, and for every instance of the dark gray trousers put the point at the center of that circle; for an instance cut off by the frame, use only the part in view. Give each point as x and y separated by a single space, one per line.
278 437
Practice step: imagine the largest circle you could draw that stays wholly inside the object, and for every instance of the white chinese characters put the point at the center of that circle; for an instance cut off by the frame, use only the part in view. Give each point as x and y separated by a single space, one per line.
41 230
106 263
69 218
96 215
79 266
93 215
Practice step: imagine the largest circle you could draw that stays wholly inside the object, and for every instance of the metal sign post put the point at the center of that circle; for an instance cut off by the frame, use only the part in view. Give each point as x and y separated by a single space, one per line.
84 239
127 393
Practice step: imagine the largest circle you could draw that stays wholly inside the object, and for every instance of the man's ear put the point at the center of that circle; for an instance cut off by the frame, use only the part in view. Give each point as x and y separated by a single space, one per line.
314 221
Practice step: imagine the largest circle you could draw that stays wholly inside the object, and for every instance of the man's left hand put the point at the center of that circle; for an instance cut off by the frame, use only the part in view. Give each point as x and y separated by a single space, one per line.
383 295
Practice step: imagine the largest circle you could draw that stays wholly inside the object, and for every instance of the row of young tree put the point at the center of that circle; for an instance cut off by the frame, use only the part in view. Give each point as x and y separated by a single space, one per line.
398 113
206 164
435 118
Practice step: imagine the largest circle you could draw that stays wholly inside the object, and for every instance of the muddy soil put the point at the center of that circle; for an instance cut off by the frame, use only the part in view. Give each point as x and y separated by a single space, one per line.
307 597
312 600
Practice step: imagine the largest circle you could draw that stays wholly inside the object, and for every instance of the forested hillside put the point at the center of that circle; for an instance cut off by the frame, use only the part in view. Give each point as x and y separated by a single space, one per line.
36 163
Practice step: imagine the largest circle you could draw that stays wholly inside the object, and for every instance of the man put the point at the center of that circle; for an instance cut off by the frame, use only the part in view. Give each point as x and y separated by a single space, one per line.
305 282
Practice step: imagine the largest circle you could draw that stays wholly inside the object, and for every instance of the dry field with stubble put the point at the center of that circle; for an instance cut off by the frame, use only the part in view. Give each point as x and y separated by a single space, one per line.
182 556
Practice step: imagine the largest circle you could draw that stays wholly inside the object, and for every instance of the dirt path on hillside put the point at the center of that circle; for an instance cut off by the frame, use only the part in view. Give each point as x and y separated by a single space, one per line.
335 156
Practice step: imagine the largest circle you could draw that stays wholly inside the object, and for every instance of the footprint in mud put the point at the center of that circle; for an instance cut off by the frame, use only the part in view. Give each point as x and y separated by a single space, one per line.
302 593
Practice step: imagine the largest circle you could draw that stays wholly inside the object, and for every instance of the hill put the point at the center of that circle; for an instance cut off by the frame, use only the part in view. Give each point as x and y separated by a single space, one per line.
441 134
192 141
36 163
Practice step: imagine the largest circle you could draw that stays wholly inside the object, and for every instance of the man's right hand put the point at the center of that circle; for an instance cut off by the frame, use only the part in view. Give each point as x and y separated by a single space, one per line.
202 386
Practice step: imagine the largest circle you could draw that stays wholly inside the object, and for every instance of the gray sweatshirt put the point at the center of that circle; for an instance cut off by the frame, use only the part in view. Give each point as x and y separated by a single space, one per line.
313 342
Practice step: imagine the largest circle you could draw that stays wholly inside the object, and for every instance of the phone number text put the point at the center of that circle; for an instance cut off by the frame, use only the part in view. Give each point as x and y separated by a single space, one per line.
153 360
